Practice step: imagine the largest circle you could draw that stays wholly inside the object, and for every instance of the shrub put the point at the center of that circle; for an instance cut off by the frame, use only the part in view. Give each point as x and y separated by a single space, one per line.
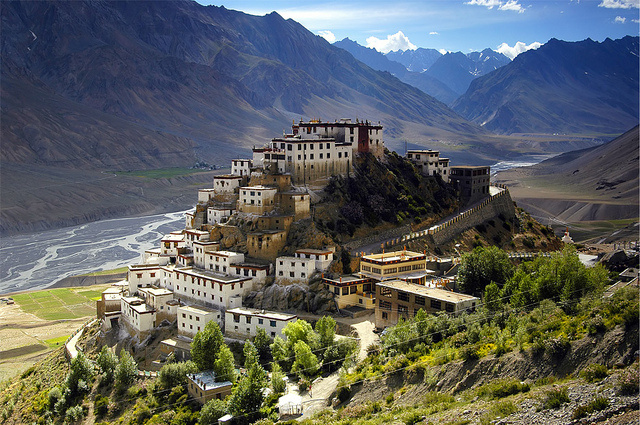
628 381
595 325
599 403
555 398
557 347
594 372
503 388
469 353
389 399
413 418
343 393
101 405
74 414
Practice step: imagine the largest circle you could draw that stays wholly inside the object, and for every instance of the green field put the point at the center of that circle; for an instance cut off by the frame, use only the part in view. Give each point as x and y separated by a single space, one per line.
59 304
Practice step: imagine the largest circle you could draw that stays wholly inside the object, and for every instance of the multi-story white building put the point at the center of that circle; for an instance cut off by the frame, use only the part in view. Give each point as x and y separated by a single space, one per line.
193 319
429 162
241 167
171 244
206 288
194 235
221 261
244 322
256 199
161 300
201 249
294 269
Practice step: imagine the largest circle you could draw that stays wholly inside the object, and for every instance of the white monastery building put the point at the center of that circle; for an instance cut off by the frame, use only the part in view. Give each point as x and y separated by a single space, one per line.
244 322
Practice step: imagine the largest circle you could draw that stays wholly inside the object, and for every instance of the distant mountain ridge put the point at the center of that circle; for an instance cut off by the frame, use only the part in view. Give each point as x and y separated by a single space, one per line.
444 77
562 87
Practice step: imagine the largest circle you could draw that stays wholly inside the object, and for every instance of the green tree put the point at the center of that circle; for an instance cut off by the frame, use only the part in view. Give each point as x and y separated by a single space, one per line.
205 346
300 330
247 396
306 363
224 365
107 362
212 411
80 374
326 330
126 371
482 266
491 297
262 343
280 353
250 355
278 384
173 374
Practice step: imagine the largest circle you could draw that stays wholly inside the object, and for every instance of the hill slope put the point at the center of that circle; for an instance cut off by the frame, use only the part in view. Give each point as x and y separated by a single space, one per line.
206 79
599 183
583 87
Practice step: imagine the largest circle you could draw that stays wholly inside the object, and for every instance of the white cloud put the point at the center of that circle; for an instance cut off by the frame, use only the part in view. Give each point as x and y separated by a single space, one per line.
434 33
512 5
620 4
519 47
636 21
327 35
397 41
620 19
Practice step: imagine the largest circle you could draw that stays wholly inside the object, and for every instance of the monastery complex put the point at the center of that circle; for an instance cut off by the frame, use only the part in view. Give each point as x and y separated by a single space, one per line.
192 278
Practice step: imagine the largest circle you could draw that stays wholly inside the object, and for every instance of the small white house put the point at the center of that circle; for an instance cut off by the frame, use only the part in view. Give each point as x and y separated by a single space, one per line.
141 275
322 257
245 322
240 167
256 199
137 315
216 215
161 300
205 195
201 249
225 184
294 269
192 319
193 235
171 244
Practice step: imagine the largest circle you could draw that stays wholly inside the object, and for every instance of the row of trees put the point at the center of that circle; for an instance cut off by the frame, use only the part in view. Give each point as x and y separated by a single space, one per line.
562 276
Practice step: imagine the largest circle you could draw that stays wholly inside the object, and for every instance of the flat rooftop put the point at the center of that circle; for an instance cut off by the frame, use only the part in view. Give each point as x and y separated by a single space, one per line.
262 313
435 293
393 257
207 380
197 309
158 292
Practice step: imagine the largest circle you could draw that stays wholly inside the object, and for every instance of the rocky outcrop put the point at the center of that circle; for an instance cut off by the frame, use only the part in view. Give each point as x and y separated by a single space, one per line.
295 297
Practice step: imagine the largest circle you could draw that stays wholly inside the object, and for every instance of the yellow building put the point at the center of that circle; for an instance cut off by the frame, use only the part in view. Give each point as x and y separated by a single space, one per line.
352 291
405 265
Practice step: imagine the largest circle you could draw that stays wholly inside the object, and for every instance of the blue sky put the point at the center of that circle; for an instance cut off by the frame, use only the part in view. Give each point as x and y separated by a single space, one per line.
454 25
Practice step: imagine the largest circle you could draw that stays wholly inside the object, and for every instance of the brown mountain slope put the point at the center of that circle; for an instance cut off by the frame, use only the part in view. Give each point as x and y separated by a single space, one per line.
599 183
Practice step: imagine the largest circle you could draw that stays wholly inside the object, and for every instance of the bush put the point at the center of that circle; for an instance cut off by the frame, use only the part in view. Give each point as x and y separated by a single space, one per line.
599 403
389 399
594 372
628 381
469 353
413 418
557 347
595 325
212 411
74 414
503 388
555 398
101 405
343 393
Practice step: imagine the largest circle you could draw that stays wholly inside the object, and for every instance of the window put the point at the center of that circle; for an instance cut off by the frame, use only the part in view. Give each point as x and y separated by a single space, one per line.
435 304
385 315
403 309
260 321
403 296
449 308
419 300
385 292
292 274
385 305
236 318
272 323
248 319
353 289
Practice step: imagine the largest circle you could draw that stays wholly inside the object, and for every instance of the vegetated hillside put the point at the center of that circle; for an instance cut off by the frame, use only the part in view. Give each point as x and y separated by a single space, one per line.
582 87
599 183
381 62
206 80
381 194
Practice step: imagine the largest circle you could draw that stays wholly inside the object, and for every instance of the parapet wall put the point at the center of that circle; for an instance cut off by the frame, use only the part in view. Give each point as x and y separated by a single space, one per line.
491 207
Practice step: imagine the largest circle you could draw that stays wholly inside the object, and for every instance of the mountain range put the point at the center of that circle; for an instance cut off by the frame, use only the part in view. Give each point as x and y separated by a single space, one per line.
562 87
444 77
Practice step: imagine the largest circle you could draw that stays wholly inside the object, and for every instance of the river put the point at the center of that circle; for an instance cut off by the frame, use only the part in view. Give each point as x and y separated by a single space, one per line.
37 261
